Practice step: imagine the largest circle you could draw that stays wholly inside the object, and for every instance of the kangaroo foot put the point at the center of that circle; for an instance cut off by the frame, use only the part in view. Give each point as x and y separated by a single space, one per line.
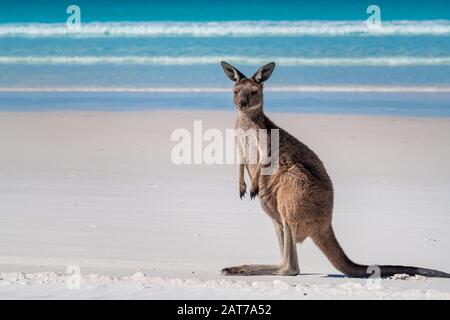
258 270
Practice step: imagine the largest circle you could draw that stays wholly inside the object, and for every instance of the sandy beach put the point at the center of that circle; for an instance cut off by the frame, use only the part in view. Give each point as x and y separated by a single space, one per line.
98 190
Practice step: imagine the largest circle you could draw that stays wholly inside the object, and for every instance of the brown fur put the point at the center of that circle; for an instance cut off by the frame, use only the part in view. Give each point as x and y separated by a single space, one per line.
298 197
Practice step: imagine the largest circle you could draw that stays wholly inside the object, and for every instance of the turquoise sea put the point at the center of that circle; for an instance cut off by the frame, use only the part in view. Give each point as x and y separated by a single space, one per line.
133 55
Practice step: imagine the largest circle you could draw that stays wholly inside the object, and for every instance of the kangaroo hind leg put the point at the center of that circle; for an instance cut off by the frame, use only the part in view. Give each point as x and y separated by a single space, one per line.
288 266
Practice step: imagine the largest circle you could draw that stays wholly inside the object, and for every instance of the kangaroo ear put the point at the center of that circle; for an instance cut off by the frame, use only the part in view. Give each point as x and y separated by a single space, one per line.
231 72
264 72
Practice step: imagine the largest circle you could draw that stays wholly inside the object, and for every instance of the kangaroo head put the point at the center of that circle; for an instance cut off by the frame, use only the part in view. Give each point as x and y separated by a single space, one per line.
248 92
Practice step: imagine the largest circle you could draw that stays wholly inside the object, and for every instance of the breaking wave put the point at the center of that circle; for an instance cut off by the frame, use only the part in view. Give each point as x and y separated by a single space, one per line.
393 61
230 28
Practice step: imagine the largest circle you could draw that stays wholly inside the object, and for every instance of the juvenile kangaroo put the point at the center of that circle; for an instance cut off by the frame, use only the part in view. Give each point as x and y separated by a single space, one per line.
298 197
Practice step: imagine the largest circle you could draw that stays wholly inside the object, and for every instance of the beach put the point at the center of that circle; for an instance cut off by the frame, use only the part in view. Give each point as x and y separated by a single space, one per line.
98 190
96 97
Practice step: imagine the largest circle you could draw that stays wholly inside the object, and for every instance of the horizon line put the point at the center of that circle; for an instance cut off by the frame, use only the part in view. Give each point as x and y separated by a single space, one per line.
297 88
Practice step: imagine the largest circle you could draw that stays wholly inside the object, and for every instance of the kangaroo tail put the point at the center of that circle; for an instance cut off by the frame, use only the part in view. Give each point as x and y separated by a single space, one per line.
329 245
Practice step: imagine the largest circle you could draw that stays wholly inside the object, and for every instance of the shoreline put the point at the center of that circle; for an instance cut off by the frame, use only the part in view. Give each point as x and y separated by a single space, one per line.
324 103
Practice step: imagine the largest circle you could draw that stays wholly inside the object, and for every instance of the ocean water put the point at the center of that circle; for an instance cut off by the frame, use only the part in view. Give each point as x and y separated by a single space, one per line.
129 55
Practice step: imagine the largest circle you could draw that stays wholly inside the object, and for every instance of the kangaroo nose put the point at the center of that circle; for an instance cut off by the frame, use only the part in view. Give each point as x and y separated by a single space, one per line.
242 103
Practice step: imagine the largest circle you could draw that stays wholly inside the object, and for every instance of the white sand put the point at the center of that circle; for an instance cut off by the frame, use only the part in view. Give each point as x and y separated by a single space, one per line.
98 190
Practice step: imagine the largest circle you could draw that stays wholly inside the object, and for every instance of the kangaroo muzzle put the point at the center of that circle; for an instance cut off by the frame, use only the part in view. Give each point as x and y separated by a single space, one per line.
242 103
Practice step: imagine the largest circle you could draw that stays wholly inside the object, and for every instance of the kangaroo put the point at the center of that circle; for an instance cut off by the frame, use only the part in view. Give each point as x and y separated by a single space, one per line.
298 197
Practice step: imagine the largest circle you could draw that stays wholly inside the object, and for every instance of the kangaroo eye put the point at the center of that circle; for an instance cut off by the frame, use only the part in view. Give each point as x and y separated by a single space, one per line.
236 90
254 90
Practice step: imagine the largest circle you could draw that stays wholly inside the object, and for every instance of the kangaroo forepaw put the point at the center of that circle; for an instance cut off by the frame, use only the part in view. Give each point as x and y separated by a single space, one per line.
254 192
242 191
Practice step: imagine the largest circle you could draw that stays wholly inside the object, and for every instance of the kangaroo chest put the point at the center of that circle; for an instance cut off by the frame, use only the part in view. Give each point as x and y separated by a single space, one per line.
247 139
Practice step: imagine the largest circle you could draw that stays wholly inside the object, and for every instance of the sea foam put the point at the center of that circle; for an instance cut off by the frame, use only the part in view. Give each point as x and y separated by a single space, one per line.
229 28
242 60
